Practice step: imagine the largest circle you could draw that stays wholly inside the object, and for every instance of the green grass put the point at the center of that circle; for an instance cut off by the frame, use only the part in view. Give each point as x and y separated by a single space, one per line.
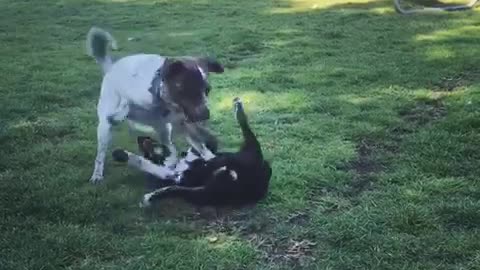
371 119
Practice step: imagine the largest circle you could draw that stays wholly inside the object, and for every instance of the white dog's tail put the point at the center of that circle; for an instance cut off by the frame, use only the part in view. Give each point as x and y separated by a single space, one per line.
98 44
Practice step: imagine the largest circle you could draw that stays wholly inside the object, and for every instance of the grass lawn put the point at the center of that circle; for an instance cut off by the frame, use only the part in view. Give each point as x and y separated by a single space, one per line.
371 120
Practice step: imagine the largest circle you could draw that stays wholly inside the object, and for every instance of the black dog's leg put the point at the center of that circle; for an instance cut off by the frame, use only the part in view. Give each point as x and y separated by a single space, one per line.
195 195
250 140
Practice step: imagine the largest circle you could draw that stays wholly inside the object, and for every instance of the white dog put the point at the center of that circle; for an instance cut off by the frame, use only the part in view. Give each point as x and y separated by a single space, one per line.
164 93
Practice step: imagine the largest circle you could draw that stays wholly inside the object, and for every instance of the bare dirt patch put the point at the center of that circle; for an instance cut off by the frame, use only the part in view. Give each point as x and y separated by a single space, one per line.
261 230
424 112
365 164
363 167
455 82
295 254
414 117
368 163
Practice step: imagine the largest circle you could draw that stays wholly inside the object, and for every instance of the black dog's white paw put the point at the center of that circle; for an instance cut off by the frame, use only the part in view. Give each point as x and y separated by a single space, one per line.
237 101
237 104
120 155
238 111
144 204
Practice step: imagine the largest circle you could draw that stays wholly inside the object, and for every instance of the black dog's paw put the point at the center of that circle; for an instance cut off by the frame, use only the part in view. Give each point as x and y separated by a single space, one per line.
238 111
120 155
237 102
237 105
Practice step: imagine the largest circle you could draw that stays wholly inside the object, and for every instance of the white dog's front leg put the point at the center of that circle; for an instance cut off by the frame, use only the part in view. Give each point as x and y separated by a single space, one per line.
172 159
104 136
120 114
165 134
196 141
201 148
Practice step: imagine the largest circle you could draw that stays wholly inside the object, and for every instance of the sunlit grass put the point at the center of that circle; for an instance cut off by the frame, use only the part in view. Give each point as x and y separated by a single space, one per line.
256 101
440 53
294 6
463 31
354 99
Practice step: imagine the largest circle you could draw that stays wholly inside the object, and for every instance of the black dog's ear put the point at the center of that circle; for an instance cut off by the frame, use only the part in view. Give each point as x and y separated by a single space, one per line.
210 64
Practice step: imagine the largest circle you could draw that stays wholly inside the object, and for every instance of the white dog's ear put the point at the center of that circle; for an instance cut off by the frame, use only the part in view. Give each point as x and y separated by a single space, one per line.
210 64
172 67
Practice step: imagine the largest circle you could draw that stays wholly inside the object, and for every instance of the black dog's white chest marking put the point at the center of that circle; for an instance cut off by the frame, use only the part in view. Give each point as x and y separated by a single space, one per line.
233 174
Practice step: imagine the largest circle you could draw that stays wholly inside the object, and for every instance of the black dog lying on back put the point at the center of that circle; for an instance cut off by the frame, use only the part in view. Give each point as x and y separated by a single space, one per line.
231 178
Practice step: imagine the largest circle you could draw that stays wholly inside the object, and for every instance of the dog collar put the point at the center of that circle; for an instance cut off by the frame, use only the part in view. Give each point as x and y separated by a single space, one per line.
157 89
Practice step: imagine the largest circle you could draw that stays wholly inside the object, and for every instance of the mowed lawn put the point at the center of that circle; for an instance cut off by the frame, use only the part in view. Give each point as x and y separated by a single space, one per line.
371 120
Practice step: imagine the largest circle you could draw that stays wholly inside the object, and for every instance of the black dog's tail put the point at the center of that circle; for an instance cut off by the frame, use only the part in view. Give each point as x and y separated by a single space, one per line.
250 140
194 195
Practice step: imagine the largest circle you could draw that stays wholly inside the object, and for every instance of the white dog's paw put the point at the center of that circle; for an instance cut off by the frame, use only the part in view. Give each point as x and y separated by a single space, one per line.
207 154
96 178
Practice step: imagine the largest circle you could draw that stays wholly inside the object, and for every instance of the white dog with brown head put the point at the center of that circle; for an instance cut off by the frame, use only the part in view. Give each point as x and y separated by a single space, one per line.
165 93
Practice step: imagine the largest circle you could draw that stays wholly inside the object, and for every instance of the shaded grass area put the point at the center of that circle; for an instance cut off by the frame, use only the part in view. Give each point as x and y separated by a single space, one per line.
370 119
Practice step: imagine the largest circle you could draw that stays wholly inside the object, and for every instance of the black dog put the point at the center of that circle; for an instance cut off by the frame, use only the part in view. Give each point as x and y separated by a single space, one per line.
236 178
